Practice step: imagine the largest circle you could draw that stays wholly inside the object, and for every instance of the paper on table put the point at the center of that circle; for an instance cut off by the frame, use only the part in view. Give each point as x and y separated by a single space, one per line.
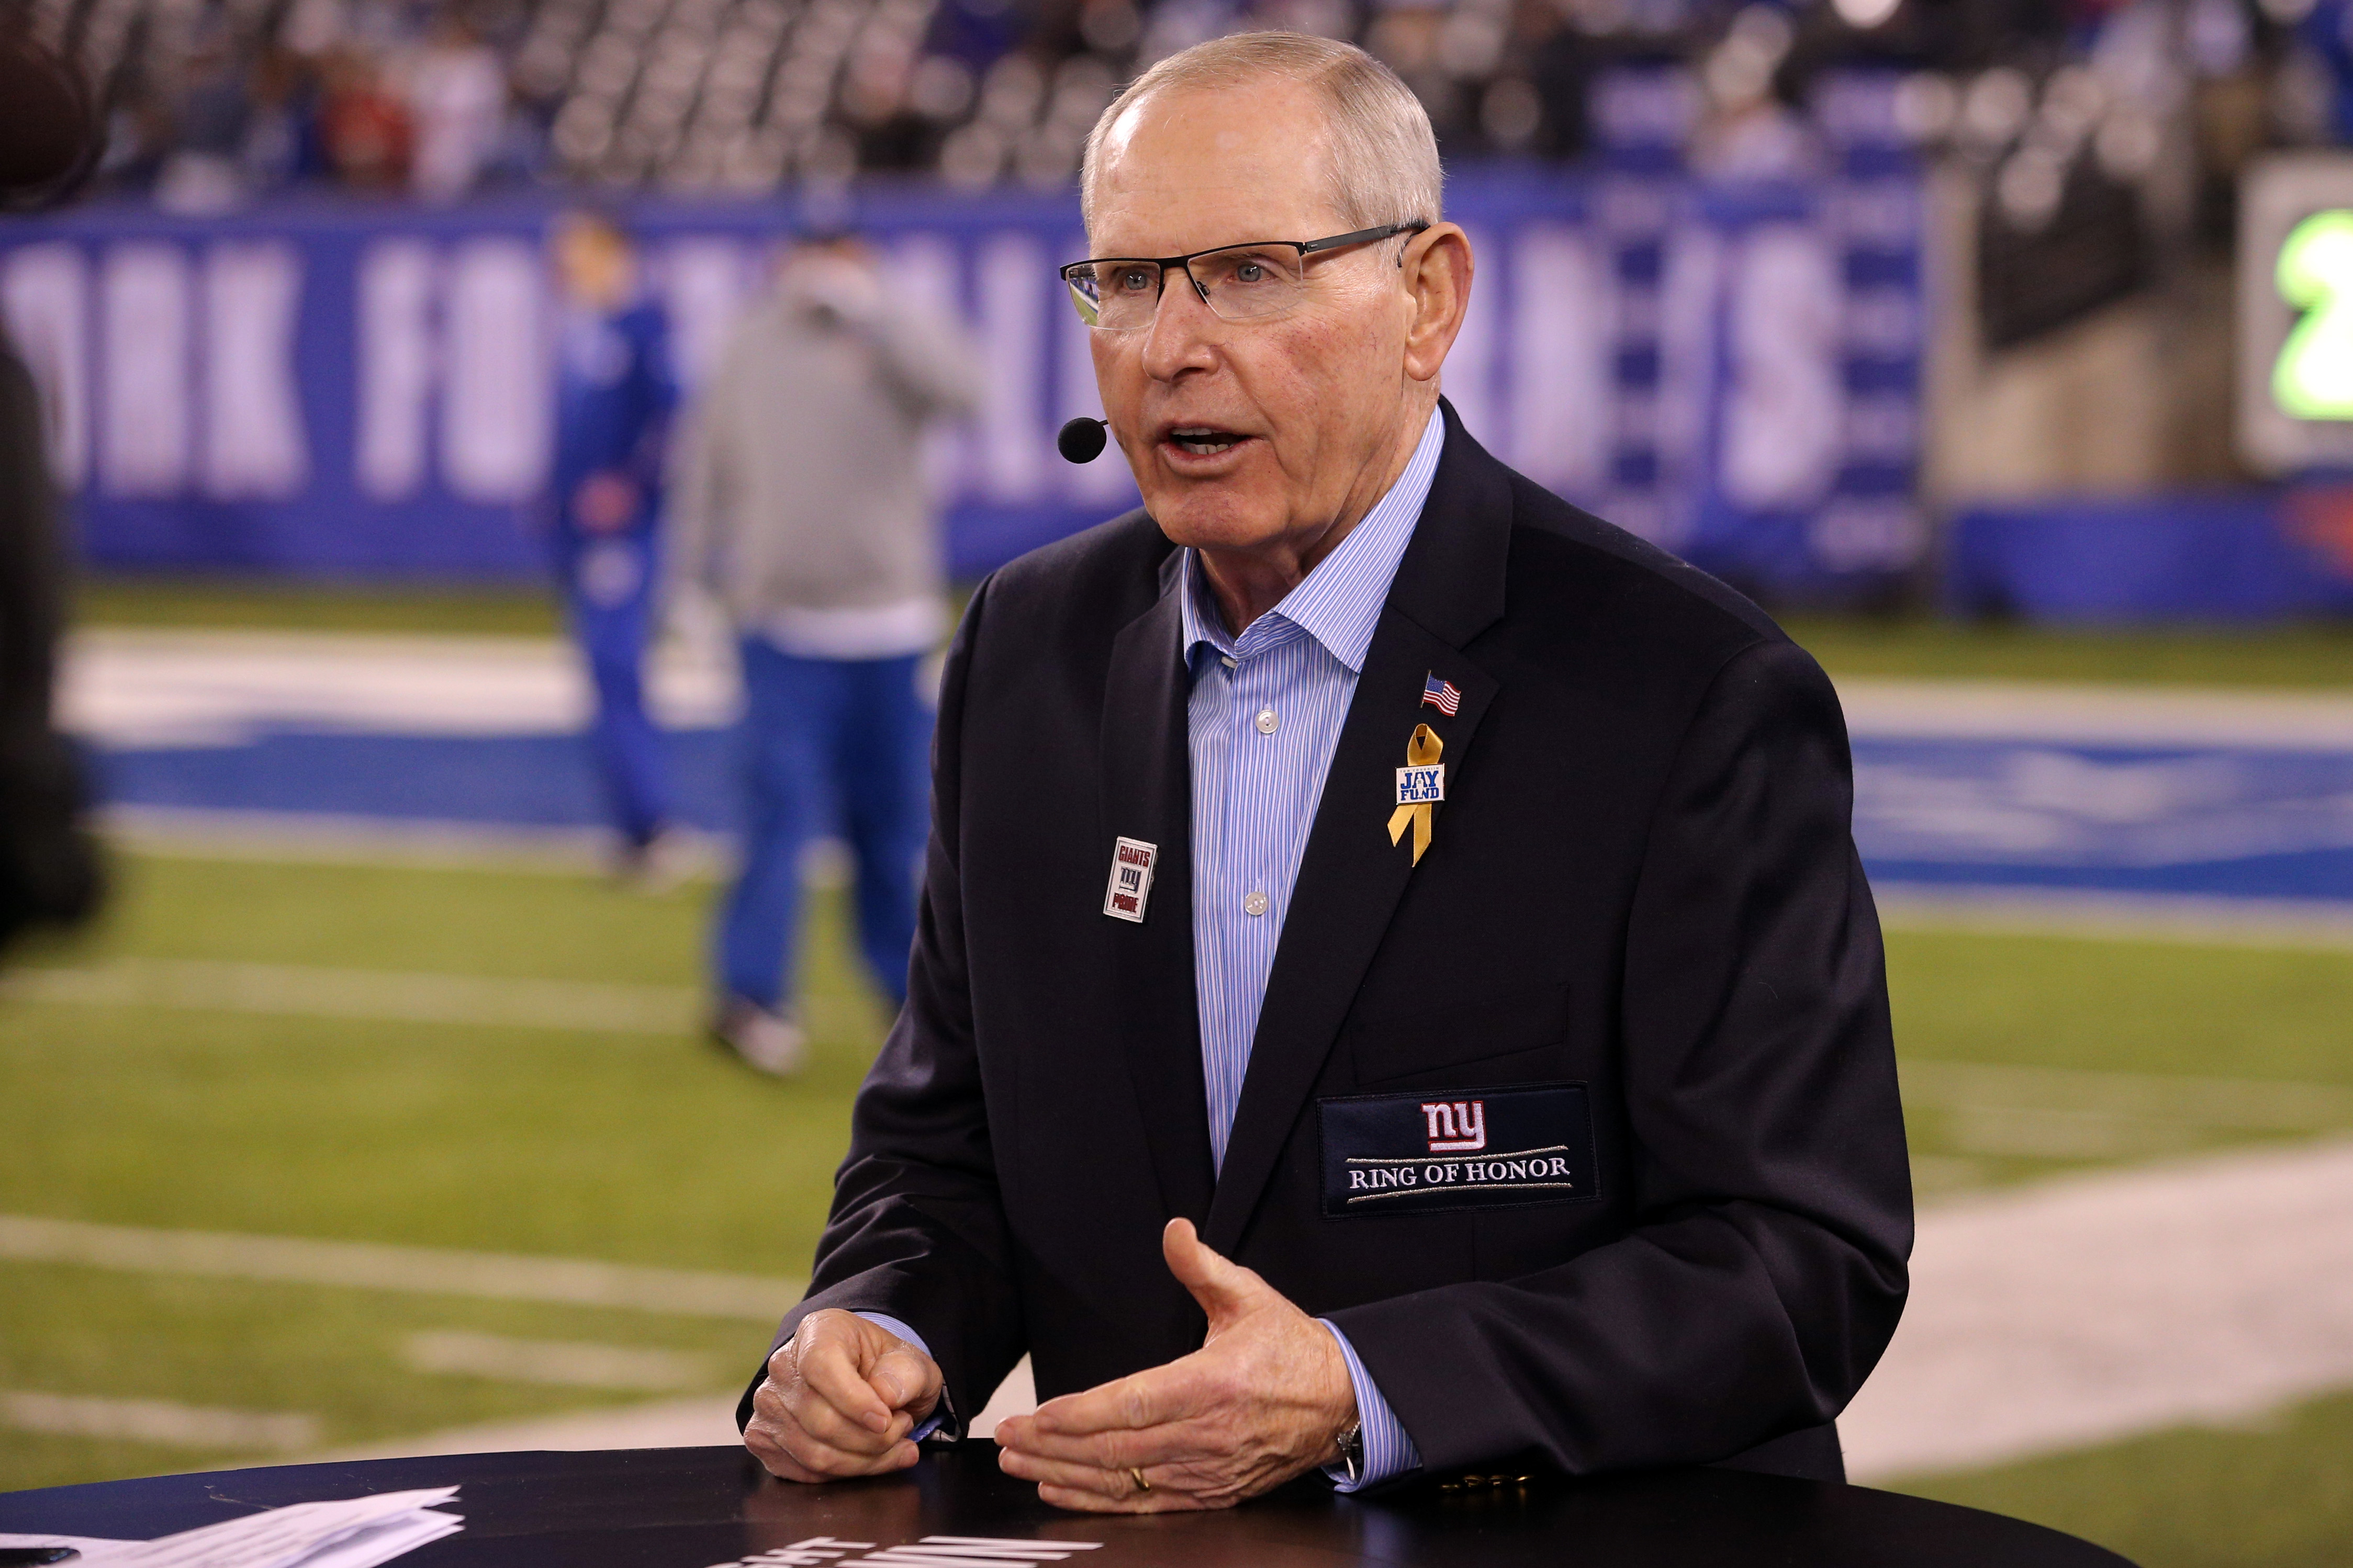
350 1532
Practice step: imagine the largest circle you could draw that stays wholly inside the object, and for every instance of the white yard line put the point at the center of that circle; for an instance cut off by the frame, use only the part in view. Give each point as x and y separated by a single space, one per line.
132 688
157 1421
2088 1309
138 687
305 991
569 1364
2095 714
376 1266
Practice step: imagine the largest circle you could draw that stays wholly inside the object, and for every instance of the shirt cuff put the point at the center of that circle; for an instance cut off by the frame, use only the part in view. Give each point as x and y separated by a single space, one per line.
943 1413
1388 1450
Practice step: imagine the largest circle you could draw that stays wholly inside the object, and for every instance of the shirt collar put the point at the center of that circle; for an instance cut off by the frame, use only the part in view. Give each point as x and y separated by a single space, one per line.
1339 603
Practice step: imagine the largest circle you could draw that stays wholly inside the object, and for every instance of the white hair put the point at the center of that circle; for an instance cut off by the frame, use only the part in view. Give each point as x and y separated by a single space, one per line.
1384 164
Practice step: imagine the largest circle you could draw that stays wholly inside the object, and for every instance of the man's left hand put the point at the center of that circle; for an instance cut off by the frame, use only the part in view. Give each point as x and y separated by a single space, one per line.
1264 1398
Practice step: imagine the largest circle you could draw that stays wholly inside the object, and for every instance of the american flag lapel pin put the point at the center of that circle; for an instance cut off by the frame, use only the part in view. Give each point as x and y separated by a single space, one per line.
1442 694
1132 860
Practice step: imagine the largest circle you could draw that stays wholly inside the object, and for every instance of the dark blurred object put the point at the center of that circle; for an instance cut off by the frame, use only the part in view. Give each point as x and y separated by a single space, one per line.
48 863
49 137
2037 276
49 872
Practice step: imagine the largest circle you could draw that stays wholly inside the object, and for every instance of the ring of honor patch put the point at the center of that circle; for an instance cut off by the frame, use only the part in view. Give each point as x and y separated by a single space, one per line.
1474 1149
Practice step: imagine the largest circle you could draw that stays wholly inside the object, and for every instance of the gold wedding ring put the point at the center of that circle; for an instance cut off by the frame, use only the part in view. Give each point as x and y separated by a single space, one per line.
1137 1476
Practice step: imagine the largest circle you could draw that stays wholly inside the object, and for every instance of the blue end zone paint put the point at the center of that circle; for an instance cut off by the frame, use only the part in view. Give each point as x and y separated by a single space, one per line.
2219 821
522 781
2240 822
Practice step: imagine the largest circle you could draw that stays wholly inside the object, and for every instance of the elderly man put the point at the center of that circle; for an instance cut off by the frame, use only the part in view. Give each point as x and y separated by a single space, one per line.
1396 989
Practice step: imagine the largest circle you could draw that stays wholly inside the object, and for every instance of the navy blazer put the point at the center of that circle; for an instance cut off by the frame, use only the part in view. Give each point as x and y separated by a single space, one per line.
1641 908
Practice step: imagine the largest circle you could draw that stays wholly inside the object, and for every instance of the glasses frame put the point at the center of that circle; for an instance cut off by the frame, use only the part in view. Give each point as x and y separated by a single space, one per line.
1306 247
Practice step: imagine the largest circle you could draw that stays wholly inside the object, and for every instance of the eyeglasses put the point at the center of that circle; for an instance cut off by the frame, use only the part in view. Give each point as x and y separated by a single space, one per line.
1253 282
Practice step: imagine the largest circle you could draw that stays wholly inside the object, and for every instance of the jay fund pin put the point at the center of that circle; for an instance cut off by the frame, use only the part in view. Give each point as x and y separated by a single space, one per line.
1421 786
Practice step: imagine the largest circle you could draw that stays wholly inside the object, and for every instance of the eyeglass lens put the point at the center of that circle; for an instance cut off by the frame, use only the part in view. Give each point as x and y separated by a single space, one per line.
1243 283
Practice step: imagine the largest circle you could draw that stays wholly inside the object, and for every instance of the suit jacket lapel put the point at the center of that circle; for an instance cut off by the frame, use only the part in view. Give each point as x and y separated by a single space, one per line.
1449 588
1147 794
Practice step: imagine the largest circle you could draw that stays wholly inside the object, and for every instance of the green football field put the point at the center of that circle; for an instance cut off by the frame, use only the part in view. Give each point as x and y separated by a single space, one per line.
499 1057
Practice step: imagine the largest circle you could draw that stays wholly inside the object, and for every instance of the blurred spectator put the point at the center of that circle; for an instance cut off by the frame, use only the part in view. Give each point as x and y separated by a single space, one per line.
801 507
456 91
614 398
281 138
366 129
205 172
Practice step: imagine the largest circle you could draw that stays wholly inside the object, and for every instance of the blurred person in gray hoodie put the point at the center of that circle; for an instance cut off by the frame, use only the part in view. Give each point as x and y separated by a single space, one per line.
798 506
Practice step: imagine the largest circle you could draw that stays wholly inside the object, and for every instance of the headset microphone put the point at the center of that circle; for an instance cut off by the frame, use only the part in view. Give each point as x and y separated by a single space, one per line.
1081 440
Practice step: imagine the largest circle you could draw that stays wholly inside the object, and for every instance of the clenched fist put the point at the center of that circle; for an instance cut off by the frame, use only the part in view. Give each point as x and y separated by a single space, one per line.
840 1399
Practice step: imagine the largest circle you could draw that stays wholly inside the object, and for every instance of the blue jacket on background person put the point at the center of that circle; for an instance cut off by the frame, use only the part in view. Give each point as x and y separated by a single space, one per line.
615 394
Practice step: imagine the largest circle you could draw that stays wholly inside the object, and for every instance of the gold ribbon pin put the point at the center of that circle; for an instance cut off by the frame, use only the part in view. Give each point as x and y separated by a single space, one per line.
1420 785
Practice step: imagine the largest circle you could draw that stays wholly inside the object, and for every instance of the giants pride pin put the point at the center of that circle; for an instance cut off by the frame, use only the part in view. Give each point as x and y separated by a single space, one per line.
1132 860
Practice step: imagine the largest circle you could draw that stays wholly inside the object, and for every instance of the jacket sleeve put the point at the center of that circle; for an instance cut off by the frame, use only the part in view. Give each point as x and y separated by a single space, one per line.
917 1230
1773 1211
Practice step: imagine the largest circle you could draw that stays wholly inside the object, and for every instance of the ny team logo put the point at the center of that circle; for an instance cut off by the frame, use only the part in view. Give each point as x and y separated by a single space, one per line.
1456 1126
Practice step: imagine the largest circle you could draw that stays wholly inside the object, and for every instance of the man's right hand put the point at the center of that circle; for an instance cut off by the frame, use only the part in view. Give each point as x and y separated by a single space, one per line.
840 1399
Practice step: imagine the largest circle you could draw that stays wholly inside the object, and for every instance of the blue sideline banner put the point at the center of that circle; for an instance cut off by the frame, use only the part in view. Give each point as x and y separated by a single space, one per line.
338 388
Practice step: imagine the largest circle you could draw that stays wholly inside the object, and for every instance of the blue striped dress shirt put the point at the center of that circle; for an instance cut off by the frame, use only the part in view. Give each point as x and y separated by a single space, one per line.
1262 722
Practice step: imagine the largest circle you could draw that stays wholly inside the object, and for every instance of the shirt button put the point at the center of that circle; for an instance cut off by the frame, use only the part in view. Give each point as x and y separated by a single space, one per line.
1266 720
1255 904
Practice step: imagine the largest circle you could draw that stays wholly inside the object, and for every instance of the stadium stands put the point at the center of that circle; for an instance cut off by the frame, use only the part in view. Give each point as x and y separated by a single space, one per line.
213 100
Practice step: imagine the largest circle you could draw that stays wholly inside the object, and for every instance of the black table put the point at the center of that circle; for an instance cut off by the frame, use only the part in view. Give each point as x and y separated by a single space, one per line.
695 1508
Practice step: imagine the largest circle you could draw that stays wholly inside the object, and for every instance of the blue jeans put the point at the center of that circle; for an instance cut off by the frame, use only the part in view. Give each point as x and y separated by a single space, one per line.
607 593
827 740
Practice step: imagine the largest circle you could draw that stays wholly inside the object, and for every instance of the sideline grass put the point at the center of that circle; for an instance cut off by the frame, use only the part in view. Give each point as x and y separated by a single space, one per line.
2278 1494
652 1149
1930 647
278 603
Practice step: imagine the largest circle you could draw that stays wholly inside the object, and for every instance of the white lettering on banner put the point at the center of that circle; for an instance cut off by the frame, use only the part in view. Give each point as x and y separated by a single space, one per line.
704 283
45 304
1469 378
1866 533
1012 342
1561 343
254 441
143 429
925 268
495 412
1781 434
396 367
